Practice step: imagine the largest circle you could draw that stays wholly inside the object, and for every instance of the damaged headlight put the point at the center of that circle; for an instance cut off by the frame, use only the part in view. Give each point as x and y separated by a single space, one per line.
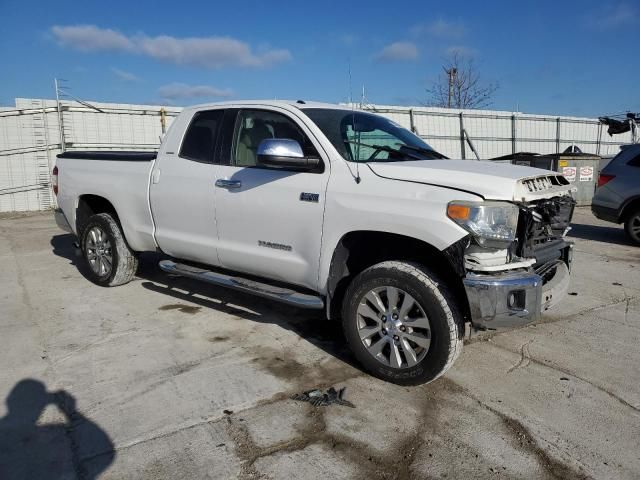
489 222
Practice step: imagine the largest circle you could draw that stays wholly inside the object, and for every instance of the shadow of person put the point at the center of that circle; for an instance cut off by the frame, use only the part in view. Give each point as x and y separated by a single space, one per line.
50 451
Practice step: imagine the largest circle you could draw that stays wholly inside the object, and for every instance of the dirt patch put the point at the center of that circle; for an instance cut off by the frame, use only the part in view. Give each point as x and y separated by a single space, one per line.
181 307
218 339
521 436
322 374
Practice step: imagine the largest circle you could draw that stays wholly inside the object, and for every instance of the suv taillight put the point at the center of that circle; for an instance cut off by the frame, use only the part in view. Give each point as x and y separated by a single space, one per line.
54 179
603 179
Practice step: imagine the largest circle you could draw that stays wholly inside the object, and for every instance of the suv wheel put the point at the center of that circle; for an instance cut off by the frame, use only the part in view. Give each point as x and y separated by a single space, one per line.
401 323
632 227
111 262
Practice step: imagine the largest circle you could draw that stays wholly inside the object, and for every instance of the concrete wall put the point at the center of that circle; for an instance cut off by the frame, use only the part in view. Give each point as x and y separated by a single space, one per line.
30 137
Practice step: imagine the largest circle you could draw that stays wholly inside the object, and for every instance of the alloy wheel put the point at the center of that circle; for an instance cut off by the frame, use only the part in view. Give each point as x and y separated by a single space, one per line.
393 327
98 251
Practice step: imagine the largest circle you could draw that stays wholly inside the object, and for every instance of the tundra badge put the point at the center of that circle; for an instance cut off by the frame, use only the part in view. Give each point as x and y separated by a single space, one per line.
309 197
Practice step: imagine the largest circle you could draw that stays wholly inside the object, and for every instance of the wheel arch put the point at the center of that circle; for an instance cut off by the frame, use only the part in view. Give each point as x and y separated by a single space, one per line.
631 205
360 249
89 205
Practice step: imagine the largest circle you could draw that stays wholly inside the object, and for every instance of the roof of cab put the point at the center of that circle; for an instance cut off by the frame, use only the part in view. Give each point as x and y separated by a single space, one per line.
300 104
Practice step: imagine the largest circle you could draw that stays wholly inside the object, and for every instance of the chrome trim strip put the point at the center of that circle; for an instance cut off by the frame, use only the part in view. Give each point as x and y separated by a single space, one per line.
284 295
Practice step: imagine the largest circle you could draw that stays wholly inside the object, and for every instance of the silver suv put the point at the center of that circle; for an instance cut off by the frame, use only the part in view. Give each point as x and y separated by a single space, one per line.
617 197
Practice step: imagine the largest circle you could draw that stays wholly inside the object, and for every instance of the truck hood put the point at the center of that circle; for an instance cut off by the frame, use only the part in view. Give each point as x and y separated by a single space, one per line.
493 181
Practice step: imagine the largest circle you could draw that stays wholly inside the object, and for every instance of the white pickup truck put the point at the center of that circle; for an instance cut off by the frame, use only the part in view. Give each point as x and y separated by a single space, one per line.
324 207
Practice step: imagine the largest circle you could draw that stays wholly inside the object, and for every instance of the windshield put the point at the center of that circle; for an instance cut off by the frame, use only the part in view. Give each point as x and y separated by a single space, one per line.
364 137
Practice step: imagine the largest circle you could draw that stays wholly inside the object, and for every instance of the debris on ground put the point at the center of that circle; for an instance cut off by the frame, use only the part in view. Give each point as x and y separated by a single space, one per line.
319 399
573 293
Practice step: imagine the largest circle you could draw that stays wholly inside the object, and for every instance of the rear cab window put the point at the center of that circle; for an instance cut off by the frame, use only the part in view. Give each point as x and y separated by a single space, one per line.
201 137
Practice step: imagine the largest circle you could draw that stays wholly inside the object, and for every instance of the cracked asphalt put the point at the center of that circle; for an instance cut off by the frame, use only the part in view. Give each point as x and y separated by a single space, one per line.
170 378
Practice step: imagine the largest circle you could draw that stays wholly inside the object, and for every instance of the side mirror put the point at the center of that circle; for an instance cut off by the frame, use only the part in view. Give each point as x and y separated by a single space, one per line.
284 153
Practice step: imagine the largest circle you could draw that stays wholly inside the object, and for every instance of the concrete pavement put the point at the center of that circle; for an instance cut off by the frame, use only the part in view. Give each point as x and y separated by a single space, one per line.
170 378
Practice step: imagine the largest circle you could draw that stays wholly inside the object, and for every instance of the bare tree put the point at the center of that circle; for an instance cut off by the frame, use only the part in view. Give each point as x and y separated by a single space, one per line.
459 86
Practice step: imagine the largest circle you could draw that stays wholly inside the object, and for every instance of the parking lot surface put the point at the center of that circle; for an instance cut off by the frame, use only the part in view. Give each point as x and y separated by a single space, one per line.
170 378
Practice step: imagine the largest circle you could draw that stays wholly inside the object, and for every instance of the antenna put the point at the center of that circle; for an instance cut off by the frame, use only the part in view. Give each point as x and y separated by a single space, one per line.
350 92
356 177
63 91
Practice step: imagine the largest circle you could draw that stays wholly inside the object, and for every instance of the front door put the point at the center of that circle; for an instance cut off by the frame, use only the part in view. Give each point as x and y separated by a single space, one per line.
270 220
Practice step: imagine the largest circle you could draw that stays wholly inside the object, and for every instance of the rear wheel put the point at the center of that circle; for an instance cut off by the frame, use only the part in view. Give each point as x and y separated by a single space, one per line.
632 227
401 323
111 262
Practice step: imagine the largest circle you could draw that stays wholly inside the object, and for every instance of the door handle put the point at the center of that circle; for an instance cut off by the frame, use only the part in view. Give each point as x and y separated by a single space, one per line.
230 184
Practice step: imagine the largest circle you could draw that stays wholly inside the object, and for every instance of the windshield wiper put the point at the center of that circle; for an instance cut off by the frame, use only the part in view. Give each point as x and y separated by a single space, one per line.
384 148
426 151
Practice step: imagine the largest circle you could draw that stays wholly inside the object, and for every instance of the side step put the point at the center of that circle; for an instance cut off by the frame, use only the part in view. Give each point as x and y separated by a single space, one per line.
265 290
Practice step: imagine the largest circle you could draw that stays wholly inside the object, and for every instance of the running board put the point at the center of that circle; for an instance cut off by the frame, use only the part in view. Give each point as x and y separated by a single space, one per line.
265 290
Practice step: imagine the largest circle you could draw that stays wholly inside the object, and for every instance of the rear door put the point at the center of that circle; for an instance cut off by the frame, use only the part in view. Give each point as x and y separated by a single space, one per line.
270 220
182 192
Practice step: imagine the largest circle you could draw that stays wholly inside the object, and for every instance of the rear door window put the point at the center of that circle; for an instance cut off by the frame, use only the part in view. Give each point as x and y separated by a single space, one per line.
635 161
199 142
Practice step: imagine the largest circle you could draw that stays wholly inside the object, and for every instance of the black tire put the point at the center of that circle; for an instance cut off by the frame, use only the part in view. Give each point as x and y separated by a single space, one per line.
433 297
124 260
632 225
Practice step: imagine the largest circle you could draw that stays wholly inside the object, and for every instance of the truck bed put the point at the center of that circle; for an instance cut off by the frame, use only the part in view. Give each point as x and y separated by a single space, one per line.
127 156
121 177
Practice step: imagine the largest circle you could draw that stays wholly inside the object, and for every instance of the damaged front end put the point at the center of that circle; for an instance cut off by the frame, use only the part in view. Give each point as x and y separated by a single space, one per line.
510 281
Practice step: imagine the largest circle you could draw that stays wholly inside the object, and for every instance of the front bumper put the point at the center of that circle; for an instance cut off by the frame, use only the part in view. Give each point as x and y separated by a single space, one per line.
513 299
61 220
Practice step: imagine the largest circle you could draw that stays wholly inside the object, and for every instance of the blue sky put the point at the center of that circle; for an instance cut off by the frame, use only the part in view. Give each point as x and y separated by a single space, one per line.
555 57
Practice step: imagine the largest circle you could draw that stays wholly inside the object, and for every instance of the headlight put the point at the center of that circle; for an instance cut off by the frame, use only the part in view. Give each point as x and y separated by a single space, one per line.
493 221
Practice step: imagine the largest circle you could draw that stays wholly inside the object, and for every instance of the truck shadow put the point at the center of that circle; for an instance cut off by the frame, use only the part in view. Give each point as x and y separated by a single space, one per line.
599 233
311 325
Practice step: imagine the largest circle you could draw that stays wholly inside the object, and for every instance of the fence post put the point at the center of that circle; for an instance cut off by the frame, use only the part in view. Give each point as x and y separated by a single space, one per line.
60 124
163 120
462 142
599 138
513 134
412 122
46 137
558 121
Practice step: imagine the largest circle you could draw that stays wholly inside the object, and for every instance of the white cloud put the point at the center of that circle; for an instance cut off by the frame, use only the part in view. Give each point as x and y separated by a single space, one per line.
89 38
208 52
611 17
440 28
398 51
124 75
175 91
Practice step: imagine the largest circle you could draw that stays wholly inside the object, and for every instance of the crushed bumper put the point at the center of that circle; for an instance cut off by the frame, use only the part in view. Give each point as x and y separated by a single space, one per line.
61 220
513 299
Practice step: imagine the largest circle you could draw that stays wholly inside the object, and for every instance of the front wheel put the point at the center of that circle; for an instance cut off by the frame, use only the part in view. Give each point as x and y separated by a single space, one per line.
111 262
632 227
402 323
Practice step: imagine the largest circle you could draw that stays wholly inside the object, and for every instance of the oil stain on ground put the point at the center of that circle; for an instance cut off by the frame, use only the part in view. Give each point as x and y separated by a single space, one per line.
218 339
182 308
